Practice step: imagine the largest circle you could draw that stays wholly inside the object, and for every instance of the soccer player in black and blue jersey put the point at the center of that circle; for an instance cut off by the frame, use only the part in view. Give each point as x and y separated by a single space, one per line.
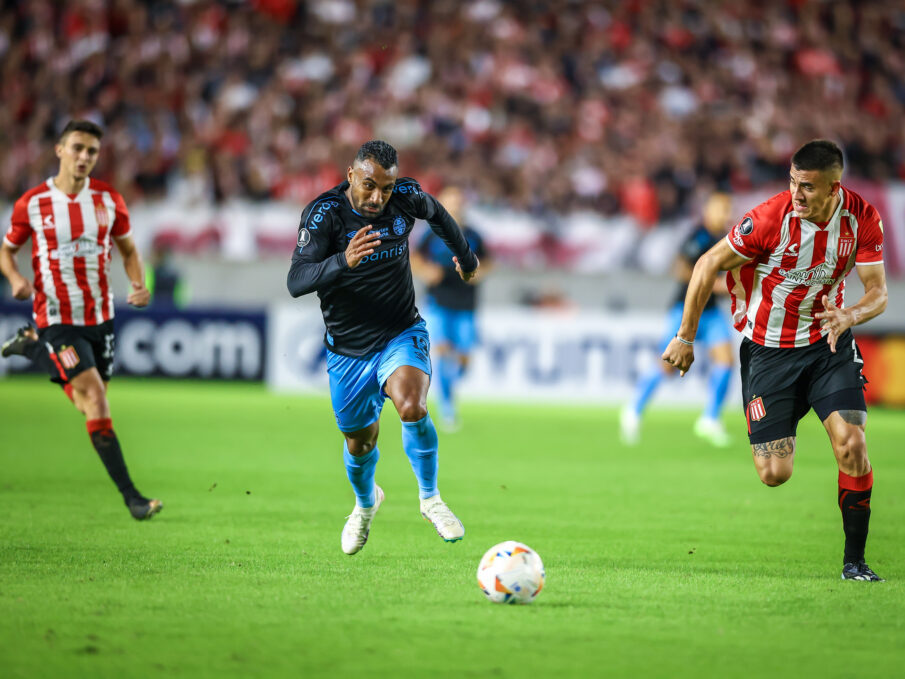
353 251
451 304
714 332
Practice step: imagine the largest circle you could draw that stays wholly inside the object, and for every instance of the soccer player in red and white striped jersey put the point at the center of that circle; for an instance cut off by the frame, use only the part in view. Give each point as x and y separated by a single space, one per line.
73 221
787 261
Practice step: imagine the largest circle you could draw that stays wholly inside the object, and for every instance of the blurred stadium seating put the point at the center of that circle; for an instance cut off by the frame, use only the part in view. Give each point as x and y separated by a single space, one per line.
585 133
570 123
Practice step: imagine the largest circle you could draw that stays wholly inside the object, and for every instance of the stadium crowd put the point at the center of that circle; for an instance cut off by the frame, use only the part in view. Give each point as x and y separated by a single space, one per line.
626 107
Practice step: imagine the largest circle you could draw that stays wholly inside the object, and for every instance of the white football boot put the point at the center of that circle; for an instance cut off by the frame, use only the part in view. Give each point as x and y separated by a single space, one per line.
448 526
358 525
629 426
712 430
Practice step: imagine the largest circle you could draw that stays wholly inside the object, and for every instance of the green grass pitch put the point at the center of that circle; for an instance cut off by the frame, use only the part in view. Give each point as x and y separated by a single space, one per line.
667 560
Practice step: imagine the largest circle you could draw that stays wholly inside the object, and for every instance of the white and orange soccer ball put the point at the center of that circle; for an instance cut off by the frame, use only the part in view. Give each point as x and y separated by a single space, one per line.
511 573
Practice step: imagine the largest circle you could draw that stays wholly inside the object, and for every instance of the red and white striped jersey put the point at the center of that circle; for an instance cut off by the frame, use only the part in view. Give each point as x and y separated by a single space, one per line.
794 263
70 249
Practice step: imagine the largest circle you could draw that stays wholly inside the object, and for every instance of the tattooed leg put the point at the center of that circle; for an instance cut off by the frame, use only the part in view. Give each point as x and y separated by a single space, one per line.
773 460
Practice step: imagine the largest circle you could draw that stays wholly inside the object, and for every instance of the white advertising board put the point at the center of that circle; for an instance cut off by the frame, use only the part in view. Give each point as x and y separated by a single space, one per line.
524 355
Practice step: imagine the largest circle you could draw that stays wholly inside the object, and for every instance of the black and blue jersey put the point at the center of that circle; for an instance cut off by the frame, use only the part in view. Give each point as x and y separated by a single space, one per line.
365 307
698 242
451 292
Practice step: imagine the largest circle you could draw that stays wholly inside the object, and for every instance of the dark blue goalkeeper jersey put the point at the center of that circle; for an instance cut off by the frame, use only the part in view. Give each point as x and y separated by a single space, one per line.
365 307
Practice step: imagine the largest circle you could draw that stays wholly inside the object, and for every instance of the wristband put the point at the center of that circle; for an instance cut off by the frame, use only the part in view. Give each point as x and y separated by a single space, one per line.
685 341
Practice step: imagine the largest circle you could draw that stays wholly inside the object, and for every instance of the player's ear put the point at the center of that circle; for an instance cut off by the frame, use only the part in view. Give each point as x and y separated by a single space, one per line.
59 150
349 174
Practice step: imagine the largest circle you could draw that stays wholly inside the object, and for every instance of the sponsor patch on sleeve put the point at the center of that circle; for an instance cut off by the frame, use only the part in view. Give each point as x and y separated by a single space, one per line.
304 238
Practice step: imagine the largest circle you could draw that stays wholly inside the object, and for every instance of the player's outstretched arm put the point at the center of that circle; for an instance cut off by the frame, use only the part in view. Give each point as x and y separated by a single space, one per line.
873 303
442 224
139 295
312 268
21 287
680 351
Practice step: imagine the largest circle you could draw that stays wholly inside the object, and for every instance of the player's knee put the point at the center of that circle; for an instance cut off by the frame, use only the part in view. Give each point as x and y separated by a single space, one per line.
773 476
358 448
91 401
851 451
412 410
91 396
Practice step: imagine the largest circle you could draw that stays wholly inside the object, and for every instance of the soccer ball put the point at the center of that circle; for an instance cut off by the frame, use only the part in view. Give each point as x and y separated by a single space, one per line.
511 573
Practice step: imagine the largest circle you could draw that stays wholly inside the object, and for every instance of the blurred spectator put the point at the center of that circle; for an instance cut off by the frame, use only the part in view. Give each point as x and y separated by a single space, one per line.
168 290
619 107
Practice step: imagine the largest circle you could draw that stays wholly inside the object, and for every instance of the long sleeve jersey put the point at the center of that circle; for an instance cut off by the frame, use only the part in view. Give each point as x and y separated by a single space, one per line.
365 307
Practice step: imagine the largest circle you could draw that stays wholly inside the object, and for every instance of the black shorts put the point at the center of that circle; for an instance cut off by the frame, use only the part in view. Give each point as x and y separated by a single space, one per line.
77 348
779 386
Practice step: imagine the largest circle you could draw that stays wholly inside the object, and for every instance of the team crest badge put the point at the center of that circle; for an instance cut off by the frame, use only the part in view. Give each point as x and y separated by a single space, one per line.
846 245
399 226
756 410
68 357
103 218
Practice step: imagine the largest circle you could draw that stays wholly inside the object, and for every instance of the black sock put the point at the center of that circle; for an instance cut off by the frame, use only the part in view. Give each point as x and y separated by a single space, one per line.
107 446
854 502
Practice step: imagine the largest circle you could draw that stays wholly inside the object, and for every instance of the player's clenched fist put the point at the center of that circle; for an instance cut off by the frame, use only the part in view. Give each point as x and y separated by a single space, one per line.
21 288
362 244
679 355
467 276
140 296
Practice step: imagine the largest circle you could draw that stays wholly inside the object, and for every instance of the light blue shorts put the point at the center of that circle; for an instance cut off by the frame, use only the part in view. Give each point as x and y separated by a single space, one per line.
713 327
453 327
356 384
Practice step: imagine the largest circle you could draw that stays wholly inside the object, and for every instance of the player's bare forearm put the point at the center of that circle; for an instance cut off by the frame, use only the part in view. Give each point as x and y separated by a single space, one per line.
139 295
20 286
871 305
836 321
679 352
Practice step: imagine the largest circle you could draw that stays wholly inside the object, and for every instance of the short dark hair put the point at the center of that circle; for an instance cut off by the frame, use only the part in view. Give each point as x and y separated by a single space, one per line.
379 151
82 126
820 154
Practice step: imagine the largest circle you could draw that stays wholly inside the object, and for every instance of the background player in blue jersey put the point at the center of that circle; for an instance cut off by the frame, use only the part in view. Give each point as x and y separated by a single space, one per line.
713 332
451 304
353 251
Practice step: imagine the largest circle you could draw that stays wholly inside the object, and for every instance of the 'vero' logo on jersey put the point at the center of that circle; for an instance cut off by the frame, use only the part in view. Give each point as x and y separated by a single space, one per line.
846 245
756 410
